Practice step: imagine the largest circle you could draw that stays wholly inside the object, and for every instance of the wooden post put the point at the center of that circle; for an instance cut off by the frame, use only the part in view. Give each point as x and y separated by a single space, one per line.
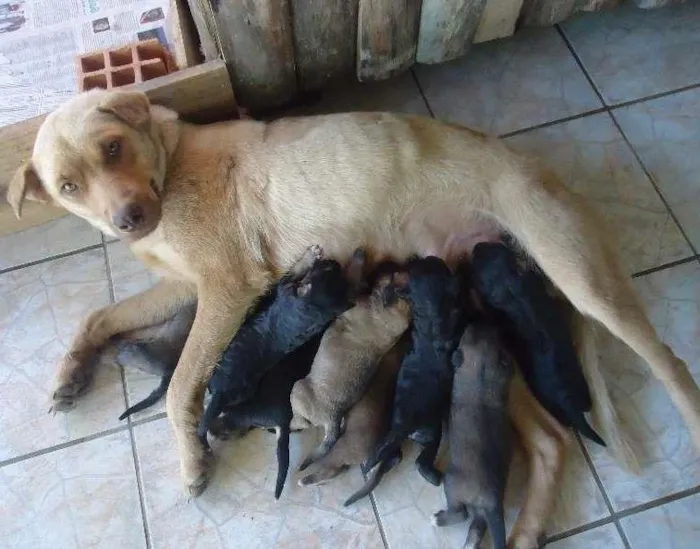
255 39
498 20
325 41
447 29
544 13
387 35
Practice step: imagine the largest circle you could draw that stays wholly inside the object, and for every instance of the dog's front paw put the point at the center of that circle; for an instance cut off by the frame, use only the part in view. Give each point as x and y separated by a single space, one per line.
197 473
73 379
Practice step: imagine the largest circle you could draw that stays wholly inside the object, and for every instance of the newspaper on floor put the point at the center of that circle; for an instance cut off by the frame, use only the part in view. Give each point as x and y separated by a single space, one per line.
40 39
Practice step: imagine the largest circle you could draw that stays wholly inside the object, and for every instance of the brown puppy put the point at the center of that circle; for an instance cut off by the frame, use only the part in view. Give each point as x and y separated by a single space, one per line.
365 424
480 436
350 351
222 210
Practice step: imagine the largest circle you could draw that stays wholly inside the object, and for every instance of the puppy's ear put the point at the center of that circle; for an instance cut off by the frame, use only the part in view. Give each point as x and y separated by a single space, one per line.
25 185
134 108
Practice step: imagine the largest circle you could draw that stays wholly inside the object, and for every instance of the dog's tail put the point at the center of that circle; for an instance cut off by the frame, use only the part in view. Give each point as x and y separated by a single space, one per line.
151 399
389 446
212 411
375 478
282 459
497 527
604 413
582 426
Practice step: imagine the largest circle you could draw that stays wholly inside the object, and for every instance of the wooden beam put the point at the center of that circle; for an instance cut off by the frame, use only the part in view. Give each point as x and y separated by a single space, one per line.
387 35
201 93
325 41
447 29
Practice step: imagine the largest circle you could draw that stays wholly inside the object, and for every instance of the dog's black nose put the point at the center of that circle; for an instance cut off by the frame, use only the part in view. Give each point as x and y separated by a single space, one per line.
129 218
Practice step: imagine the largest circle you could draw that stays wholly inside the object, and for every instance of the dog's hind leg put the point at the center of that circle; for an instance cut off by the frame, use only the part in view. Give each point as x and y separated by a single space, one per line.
546 443
450 516
282 458
375 478
566 240
426 459
333 432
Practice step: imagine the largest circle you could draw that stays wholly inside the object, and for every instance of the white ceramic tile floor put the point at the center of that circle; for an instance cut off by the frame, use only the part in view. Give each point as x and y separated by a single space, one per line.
75 480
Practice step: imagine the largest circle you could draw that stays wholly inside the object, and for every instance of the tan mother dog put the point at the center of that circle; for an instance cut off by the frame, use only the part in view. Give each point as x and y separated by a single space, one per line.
222 210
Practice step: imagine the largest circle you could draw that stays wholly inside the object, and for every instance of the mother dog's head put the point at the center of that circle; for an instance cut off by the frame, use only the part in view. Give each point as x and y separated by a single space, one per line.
103 157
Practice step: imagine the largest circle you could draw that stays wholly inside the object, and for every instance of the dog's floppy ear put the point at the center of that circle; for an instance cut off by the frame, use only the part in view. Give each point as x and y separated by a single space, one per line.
25 185
131 107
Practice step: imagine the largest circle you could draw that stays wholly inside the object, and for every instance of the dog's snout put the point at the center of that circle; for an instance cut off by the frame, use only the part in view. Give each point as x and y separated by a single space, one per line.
129 218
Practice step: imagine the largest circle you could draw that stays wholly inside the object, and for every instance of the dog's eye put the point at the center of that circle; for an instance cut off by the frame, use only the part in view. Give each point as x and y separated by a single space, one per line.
69 188
114 148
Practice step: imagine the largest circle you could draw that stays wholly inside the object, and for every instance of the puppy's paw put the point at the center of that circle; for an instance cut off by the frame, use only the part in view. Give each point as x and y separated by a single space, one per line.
196 478
74 379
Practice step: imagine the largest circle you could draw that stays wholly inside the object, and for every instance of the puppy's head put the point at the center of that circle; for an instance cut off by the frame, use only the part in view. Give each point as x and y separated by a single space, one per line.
325 286
102 156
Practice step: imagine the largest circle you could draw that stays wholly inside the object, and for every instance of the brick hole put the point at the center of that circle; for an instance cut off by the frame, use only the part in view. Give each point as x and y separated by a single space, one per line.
123 77
94 81
122 56
92 63
149 49
153 69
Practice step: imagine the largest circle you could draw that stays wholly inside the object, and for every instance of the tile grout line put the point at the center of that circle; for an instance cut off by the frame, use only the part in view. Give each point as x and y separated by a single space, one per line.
422 93
132 439
653 182
659 95
669 265
550 123
62 445
636 155
55 257
375 508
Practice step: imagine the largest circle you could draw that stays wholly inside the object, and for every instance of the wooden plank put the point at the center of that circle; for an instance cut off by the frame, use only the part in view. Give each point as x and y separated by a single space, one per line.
255 38
201 93
541 13
205 21
325 41
182 35
387 35
498 20
447 29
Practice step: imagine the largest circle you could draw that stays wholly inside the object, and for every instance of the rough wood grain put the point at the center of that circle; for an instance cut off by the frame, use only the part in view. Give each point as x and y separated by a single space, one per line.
205 21
447 29
182 35
201 93
255 37
541 13
325 41
387 34
498 20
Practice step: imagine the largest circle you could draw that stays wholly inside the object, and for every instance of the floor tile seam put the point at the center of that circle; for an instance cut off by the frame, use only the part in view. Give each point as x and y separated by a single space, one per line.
49 258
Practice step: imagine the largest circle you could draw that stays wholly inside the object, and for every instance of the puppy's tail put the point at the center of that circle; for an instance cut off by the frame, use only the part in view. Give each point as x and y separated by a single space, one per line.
212 411
497 527
151 399
375 478
604 413
582 426
282 459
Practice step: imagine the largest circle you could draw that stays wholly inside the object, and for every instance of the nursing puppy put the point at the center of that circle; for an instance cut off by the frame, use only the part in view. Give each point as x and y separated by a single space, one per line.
299 306
423 386
155 350
350 351
365 424
270 407
543 343
480 436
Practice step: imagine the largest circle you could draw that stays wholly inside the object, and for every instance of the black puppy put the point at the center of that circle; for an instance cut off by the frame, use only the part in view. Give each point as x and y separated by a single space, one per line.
156 350
424 382
539 331
480 435
271 406
295 309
